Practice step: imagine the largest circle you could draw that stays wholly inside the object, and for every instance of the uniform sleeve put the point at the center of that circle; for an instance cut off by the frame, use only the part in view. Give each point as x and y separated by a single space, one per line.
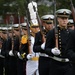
8 46
37 43
3 48
50 43
70 49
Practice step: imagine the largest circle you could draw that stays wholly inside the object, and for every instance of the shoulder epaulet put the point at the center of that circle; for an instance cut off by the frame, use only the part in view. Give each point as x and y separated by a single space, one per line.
24 39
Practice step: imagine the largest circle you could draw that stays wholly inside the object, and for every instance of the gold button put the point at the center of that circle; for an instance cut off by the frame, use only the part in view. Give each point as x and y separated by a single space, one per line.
59 42
59 39
59 45
59 30
67 29
60 48
59 33
59 36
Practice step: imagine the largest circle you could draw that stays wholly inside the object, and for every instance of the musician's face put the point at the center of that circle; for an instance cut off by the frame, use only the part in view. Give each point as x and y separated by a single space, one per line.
63 21
35 29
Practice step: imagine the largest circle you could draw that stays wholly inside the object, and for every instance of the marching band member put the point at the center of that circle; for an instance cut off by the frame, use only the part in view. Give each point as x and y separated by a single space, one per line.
32 63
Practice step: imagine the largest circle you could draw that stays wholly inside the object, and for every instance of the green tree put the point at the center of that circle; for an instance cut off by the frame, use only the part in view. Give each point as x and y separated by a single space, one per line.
20 6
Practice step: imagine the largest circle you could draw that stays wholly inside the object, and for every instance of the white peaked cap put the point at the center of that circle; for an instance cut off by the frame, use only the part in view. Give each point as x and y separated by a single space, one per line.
47 17
16 25
0 27
4 28
70 21
61 11
10 28
24 24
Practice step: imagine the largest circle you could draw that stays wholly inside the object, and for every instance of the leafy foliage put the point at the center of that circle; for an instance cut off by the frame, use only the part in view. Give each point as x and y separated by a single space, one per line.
20 6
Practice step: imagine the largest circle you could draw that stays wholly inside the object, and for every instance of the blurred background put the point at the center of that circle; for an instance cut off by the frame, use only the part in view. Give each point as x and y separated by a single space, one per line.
17 8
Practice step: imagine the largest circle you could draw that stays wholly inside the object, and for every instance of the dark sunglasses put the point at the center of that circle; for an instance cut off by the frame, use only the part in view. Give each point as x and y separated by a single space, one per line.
17 30
4 32
25 29
48 22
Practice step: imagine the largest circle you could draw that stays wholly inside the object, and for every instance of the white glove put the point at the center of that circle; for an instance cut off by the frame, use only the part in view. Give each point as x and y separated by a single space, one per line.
29 56
18 54
0 50
11 53
2 56
55 51
43 46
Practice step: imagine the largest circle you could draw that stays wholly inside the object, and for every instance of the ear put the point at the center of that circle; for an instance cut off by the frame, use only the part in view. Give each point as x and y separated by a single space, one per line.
58 19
